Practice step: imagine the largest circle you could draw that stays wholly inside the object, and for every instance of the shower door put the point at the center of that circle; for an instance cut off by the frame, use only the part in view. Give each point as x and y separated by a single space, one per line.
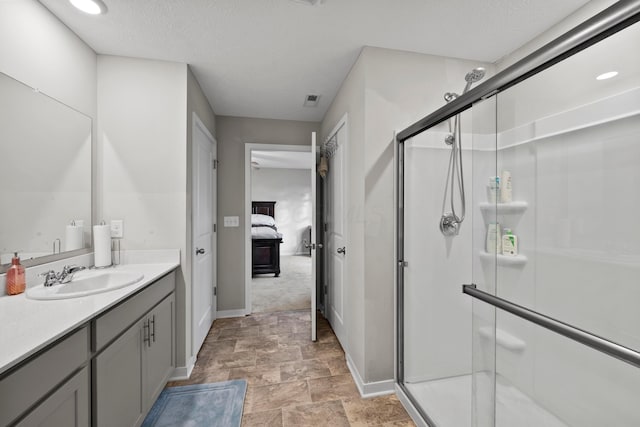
547 333
435 364
574 162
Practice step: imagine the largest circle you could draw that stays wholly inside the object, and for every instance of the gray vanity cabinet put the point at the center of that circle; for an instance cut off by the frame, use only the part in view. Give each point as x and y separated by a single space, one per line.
118 372
50 389
159 360
131 371
67 406
107 372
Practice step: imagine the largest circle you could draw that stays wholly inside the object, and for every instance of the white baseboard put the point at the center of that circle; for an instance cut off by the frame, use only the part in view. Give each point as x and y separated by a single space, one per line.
183 372
367 390
231 313
408 406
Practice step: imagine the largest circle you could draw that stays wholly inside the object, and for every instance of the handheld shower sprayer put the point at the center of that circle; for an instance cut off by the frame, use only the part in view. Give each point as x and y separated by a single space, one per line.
472 77
450 222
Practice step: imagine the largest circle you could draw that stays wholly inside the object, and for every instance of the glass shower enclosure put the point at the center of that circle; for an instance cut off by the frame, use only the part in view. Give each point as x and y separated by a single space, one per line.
547 330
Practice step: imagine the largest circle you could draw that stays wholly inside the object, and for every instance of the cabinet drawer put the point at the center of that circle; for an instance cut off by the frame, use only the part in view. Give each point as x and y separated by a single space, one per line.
115 321
32 381
67 406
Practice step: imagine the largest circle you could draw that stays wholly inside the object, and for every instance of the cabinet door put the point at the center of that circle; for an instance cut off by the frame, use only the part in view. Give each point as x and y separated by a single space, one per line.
118 375
66 407
159 358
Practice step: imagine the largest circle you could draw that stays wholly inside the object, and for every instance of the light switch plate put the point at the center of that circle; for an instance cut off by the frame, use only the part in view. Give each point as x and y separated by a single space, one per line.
231 221
117 228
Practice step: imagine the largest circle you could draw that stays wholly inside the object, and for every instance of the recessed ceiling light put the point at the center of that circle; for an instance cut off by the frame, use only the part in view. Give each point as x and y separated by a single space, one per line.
92 7
607 75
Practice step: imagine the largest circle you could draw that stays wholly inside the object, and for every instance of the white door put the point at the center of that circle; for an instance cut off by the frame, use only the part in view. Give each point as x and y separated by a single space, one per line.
336 252
203 301
314 245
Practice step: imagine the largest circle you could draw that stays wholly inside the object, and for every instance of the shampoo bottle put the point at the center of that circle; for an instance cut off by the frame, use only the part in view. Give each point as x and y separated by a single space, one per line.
16 282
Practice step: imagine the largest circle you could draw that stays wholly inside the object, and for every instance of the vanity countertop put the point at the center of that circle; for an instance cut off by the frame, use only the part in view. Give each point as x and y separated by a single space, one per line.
27 326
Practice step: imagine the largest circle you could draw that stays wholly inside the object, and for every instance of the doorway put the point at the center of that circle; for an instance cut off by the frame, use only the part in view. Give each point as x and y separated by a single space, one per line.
279 221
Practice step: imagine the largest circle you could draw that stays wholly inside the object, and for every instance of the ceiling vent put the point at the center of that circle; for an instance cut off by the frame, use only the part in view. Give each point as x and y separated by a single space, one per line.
311 100
310 2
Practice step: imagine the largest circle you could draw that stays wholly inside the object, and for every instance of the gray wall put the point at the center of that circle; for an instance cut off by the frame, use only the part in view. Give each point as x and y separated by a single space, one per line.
232 134
144 150
142 174
386 91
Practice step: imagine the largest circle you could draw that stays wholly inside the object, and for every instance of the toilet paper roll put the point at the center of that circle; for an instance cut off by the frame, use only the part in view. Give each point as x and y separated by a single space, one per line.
102 245
73 238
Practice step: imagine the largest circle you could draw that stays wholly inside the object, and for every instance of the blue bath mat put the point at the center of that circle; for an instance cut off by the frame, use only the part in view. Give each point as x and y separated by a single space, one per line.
215 404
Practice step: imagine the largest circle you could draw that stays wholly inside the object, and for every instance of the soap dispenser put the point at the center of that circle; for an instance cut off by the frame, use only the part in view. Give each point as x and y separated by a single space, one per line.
16 282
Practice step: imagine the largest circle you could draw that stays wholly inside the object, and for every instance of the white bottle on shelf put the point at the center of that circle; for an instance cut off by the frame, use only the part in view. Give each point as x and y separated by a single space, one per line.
509 243
493 190
506 193
494 239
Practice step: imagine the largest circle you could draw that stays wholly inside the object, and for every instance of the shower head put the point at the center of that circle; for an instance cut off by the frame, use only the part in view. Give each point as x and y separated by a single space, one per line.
473 76
450 96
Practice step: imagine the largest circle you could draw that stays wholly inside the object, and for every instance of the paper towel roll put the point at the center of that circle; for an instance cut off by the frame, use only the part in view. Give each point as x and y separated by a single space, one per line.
102 245
73 238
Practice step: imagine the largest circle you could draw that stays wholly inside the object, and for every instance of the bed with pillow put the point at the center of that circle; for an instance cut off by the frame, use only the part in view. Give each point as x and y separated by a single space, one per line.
265 239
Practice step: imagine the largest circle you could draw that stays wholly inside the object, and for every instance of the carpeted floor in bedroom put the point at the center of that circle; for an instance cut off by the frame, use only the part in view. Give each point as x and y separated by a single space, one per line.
290 291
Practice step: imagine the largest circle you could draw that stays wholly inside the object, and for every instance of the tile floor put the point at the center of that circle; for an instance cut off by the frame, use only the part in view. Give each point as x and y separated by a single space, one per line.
291 380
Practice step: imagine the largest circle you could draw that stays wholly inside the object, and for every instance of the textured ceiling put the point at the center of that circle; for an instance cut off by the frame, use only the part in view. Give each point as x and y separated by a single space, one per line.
259 58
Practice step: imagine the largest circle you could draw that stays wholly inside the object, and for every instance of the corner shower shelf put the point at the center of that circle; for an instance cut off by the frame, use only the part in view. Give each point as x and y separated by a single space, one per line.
504 260
504 208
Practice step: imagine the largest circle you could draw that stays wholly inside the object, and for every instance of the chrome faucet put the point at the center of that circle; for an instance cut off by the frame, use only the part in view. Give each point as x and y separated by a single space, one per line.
67 273
65 276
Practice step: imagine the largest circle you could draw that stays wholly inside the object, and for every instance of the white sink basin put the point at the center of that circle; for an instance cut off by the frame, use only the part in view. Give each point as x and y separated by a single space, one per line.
86 282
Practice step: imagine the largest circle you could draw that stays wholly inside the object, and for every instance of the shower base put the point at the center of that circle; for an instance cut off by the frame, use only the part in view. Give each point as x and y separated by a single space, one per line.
448 402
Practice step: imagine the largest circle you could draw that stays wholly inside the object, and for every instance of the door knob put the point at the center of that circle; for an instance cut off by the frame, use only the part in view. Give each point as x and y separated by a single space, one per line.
342 250
312 245
199 251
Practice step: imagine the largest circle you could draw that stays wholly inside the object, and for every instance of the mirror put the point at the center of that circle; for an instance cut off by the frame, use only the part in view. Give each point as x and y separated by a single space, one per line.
45 175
